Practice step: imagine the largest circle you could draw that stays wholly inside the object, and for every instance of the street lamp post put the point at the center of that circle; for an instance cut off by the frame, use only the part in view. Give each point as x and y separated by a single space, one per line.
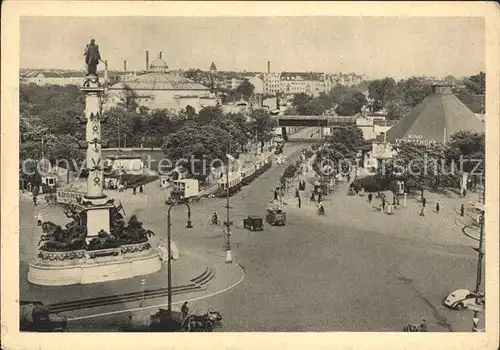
480 256
169 263
228 223
143 283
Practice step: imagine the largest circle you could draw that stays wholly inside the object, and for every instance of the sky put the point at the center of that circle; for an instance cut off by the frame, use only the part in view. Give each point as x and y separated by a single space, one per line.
373 46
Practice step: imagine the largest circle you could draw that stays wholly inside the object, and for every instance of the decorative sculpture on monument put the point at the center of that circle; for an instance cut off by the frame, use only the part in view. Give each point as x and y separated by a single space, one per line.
82 232
97 234
92 57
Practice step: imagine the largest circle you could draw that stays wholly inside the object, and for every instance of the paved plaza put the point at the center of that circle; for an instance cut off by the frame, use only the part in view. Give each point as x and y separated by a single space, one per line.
353 269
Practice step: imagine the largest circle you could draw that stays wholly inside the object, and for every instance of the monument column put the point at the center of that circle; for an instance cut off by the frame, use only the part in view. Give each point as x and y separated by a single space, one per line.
94 202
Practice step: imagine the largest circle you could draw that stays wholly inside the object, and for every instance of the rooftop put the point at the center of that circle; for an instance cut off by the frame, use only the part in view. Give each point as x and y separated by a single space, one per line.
160 81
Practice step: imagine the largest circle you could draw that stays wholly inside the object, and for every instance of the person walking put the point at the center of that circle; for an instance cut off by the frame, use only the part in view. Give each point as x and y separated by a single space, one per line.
383 205
390 209
141 189
437 208
319 197
370 197
393 200
184 313
134 190
422 211
299 201
39 219
312 197
462 210
424 201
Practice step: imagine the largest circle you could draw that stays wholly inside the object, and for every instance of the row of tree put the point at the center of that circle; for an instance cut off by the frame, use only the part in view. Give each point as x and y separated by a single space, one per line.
398 98
339 150
50 123
345 101
435 166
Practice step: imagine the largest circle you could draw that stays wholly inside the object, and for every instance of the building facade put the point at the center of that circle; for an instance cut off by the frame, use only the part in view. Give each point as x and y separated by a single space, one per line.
158 88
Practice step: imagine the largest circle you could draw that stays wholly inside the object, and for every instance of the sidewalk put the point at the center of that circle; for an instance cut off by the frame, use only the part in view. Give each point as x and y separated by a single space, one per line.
355 211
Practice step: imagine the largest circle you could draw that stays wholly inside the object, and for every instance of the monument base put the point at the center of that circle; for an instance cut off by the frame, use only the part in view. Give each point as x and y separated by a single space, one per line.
84 267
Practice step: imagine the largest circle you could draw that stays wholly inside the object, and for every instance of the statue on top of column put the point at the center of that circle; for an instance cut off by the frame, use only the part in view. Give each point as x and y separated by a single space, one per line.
92 57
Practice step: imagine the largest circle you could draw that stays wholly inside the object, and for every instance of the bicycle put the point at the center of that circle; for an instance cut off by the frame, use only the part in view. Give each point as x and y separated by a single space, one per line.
214 222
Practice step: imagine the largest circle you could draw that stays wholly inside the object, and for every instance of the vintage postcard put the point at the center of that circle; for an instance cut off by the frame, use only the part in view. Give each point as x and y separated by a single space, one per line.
288 174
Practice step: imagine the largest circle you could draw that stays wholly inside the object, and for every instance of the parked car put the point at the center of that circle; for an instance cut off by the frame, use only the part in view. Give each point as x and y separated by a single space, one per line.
253 223
464 298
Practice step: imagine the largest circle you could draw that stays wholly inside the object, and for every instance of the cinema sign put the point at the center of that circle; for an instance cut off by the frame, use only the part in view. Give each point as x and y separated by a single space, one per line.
417 139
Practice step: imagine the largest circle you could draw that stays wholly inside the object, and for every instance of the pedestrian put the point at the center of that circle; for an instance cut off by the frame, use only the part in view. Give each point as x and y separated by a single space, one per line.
437 208
312 197
424 200
464 192
141 189
383 205
134 190
462 210
39 219
34 201
319 197
300 202
393 200
389 209
276 194
397 200
422 211
370 197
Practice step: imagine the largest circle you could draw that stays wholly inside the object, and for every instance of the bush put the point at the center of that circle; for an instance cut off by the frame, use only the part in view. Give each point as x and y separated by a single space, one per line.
372 183
290 171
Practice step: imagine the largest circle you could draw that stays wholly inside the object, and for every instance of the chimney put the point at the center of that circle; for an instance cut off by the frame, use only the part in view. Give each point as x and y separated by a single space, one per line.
147 60
269 66
160 55
106 71
124 65
442 89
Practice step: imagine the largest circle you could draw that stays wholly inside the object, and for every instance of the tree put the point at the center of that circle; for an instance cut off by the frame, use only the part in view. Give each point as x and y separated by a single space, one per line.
208 143
465 152
246 88
117 127
263 125
128 99
351 103
476 84
419 166
382 91
300 100
350 135
341 145
413 91
66 151
396 109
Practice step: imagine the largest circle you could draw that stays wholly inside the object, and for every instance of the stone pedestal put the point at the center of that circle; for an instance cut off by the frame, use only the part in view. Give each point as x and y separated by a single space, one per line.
98 215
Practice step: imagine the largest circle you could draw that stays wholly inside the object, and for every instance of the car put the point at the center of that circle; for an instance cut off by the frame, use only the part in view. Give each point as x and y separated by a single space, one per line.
463 299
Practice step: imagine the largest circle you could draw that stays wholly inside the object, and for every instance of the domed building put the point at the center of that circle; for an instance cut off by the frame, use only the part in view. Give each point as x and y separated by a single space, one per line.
158 88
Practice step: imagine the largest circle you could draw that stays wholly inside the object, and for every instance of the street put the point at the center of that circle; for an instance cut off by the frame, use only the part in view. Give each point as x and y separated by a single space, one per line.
321 275
316 275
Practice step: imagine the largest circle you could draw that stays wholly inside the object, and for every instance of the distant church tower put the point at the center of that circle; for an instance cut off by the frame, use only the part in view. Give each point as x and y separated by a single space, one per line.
213 68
